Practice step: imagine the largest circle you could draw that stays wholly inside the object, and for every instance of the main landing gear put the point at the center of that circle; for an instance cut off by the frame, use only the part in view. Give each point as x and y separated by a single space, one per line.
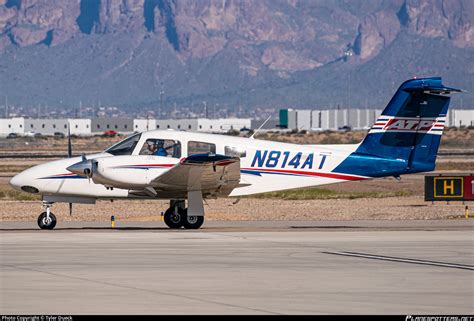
176 216
47 220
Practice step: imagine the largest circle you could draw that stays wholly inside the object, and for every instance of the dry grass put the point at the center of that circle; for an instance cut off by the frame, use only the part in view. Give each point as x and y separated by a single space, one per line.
455 166
325 194
8 193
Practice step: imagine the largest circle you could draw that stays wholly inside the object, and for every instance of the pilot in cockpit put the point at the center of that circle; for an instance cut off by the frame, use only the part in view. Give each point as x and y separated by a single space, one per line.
157 148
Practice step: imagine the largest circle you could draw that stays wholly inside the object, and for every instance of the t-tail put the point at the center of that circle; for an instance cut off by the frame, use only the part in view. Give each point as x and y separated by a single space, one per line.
406 137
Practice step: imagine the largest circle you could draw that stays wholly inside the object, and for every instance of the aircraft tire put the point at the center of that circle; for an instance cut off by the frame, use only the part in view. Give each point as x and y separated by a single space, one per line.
43 224
192 222
174 220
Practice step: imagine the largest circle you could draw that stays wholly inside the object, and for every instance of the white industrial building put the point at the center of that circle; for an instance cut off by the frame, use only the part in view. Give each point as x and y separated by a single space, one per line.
329 119
97 126
205 125
12 125
143 125
333 119
22 126
460 118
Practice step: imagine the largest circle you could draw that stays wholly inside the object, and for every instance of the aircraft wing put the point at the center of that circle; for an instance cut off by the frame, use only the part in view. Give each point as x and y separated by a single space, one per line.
211 174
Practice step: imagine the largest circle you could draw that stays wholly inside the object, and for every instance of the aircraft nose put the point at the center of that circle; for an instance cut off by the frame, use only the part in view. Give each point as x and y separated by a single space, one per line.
22 182
17 181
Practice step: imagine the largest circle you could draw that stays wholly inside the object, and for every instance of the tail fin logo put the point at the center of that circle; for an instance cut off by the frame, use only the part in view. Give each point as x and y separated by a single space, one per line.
409 125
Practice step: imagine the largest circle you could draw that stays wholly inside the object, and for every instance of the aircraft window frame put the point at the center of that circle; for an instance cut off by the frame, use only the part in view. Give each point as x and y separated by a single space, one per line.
235 152
211 151
174 147
134 139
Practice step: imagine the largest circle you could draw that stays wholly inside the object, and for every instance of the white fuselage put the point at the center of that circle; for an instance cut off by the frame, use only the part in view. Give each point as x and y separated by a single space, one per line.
265 166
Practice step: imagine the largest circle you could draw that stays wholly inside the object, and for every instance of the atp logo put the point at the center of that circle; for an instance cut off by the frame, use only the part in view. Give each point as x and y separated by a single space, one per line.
409 124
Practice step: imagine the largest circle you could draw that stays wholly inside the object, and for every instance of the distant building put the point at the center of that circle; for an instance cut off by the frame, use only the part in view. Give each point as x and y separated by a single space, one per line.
22 126
120 125
80 126
177 124
46 126
271 124
329 119
222 125
143 125
460 117
12 125
333 119
292 119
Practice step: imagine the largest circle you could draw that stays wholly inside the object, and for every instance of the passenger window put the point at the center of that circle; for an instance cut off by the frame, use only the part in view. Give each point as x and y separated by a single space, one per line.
201 148
161 147
234 152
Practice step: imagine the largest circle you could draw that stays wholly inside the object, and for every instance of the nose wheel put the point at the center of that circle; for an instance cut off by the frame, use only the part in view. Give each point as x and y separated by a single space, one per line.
47 220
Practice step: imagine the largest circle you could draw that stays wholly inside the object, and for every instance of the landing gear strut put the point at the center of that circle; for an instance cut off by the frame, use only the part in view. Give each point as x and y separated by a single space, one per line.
176 216
47 220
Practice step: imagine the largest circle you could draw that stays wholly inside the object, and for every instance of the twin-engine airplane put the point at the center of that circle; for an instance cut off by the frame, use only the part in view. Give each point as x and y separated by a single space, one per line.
187 167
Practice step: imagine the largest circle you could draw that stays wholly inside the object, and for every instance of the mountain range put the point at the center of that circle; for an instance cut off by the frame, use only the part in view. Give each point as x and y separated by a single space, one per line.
248 53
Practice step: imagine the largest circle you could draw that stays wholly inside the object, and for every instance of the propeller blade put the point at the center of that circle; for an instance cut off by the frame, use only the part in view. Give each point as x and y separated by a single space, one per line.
70 209
69 145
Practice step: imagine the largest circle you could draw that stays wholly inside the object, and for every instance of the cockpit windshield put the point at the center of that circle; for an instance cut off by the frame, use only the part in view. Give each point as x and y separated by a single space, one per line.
124 147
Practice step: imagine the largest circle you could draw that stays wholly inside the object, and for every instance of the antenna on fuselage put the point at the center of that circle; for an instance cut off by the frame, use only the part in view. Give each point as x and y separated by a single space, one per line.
263 124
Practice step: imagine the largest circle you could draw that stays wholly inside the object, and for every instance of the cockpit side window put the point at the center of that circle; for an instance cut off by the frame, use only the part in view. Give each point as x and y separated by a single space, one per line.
125 147
161 147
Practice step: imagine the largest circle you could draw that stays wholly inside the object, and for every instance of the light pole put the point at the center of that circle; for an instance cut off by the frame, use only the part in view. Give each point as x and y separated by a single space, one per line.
161 104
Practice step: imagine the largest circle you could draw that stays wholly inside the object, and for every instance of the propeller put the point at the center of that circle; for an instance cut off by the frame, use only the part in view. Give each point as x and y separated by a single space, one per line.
69 145
69 155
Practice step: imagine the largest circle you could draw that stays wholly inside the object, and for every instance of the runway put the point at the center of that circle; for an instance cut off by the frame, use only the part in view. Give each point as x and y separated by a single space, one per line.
239 268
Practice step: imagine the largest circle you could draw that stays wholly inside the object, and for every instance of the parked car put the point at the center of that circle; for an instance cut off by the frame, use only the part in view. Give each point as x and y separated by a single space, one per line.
110 133
59 135
344 128
12 135
30 134
37 135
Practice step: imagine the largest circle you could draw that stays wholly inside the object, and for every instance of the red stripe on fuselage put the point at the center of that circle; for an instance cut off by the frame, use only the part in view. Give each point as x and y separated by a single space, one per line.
327 175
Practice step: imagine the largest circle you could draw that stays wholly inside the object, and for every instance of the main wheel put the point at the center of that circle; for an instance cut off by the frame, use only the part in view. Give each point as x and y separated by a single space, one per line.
46 224
174 219
192 222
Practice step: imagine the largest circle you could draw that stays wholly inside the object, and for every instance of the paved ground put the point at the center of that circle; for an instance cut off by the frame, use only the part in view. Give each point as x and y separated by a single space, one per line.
241 268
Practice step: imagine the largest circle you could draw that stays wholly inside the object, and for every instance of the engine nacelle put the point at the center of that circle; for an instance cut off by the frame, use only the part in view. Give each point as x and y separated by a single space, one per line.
127 172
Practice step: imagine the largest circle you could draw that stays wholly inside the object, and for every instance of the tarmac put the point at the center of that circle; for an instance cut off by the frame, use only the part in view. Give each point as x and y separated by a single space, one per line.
251 267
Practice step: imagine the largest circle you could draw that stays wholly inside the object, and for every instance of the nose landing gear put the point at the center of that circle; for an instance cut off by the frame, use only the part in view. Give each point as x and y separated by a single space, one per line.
47 220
